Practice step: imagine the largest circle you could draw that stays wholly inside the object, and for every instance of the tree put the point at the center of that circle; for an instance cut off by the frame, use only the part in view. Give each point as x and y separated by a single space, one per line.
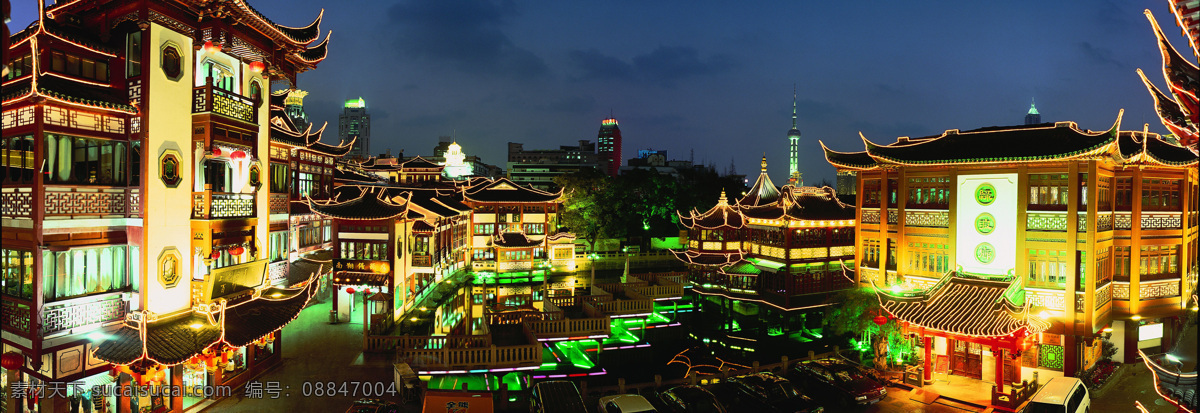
854 314
644 203
587 208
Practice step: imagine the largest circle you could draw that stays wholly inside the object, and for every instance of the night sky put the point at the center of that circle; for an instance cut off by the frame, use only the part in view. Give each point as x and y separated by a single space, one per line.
716 77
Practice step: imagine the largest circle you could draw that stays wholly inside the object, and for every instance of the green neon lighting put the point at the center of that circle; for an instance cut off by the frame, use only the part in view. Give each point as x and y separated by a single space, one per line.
577 356
985 194
356 103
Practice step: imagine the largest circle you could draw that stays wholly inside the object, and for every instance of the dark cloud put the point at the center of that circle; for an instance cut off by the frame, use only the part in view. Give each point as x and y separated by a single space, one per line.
593 65
464 35
664 66
668 64
1099 55
570 104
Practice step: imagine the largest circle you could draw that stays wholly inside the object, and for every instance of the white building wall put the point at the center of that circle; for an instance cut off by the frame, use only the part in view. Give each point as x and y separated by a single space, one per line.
168 210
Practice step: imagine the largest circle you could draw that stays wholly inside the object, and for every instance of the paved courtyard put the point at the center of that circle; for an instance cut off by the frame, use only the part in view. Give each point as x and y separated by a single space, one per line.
316 351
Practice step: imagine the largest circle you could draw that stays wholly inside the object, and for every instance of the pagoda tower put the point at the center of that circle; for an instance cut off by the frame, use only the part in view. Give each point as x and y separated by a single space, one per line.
793 149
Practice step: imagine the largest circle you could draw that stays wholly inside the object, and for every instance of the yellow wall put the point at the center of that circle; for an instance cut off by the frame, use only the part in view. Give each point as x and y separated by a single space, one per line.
168 210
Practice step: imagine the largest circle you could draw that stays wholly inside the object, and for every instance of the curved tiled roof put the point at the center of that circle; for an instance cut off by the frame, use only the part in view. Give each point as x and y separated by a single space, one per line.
316 53
961 305
369 203
514 240
721 215
741 267
1000 144
763 191
175 340
848 160
504 190
708 258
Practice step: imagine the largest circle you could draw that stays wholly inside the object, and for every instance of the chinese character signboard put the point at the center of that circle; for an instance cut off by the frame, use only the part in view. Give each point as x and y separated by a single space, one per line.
441 401
986 220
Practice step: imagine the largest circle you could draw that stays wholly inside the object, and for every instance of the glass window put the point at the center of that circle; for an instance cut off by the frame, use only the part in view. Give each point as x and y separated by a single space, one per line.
133 54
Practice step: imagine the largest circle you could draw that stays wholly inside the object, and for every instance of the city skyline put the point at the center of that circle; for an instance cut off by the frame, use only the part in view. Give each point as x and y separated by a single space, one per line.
694 80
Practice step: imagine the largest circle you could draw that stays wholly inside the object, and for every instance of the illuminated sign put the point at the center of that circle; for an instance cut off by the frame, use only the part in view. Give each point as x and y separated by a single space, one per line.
233 279
356 103
457 402
986 220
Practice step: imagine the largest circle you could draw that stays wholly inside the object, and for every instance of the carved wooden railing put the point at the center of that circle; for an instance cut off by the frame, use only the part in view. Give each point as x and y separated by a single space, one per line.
464 352
216 100
83 200
214 205
576 327
422 261
98 309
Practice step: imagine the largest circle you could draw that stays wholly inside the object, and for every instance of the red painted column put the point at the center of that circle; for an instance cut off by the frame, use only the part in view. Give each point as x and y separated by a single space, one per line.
928 359
998 355
1017 368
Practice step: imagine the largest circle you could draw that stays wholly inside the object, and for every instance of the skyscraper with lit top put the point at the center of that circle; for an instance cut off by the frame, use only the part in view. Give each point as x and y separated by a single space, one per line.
355 123
609 152
1033 117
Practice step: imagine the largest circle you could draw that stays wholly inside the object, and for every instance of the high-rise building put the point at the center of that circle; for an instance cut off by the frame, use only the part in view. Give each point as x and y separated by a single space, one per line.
538 167
293 106
609 153
355 122
793 135
1033 117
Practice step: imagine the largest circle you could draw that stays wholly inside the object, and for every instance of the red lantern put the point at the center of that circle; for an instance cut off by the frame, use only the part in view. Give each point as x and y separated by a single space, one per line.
237 250
216 151
215 254
210 47
12 360
367 291
257 67
881 320
349 290
237 155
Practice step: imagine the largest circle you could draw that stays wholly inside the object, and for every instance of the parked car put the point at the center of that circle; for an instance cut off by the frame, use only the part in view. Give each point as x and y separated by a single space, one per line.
777 392
626 403
557 396
691 399
373 406
846 382
1061 395
736 400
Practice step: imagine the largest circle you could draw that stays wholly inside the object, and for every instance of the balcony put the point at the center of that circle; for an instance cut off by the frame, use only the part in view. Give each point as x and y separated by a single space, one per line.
217 205
422 261
87 312
208 99
74 201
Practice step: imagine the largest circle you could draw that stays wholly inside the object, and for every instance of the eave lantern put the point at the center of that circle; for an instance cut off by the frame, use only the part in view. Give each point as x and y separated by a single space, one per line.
880 320
12 360
237 155
257 67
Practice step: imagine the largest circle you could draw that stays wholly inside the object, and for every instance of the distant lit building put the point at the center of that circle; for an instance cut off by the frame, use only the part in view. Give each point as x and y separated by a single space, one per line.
293 106
609 154
539 167
1033 117
847 183
355 123
655 160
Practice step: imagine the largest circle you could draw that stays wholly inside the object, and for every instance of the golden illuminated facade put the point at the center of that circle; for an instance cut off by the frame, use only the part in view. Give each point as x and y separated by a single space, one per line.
134 208
1074 232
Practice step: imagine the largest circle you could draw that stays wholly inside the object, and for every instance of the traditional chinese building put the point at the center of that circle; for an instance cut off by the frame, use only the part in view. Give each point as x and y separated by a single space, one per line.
781 249
1011 247
135 222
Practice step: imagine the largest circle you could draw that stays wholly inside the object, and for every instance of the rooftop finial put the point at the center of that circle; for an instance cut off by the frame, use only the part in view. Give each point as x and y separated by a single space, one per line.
722 200
1033 107
764 163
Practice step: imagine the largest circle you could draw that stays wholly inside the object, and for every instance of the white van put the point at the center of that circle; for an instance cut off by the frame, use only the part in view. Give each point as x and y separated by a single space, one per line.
1060 395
